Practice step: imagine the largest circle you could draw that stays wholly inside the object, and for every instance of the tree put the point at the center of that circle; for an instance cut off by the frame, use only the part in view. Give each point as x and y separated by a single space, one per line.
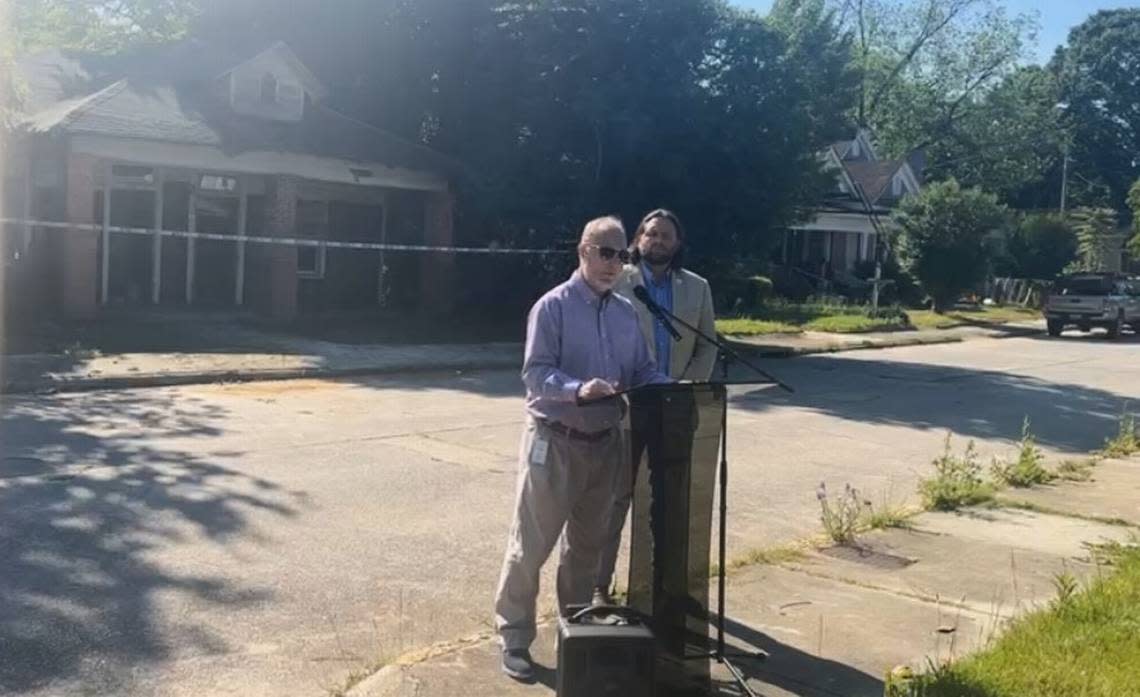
1099 69
1010 142
1134 204
98 25
565 109
823 52
925 63
1041 246
1097 237
943 238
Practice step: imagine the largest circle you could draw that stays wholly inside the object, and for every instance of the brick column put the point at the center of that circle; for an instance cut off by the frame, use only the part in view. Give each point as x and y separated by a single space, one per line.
281 221
437 270
79 257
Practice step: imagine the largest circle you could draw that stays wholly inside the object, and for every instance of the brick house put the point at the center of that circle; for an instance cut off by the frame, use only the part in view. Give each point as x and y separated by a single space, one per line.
843 230
190 137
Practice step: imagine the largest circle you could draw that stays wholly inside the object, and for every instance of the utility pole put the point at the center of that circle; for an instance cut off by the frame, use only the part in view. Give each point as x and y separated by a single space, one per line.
1065 178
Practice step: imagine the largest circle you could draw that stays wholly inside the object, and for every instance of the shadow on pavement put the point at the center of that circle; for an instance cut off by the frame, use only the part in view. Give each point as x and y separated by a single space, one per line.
971 402
794 671
83 517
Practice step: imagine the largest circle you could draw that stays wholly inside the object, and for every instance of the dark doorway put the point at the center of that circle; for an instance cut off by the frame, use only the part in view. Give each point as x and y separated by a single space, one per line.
215 263
132 260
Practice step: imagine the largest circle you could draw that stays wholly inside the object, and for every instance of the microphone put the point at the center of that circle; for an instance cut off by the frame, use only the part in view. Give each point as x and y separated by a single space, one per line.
659 312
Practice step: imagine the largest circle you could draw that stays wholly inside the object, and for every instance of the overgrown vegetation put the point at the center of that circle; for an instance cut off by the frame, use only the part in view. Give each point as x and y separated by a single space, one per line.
928 319
1076 470
840 516
776 317
846 515
1126 442
1027 469
957 481
1083 644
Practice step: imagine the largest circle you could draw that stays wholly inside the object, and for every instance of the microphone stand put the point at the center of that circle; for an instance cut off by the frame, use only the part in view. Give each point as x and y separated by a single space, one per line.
726 355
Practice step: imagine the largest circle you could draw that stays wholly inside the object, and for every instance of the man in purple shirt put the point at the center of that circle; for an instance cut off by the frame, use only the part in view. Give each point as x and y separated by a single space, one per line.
583 342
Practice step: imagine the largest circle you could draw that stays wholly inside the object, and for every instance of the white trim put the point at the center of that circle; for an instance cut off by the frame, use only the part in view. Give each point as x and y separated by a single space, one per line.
210 158
909 178
308 80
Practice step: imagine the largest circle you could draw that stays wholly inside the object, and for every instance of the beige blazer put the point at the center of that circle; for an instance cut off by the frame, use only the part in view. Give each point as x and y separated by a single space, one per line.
692 358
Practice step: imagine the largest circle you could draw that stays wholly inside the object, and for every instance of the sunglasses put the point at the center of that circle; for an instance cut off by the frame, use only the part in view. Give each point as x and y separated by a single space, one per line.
608 253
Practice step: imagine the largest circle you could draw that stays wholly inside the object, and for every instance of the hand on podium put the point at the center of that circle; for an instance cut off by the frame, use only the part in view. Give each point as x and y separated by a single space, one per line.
595 389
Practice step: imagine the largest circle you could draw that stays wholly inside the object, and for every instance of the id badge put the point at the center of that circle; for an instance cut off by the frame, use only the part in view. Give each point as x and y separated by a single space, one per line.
538 450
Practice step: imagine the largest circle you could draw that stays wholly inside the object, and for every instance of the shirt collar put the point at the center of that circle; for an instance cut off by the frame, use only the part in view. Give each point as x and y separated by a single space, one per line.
648 277
584 290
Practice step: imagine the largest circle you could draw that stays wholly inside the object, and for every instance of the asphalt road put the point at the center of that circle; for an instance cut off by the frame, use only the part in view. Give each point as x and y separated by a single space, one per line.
269 539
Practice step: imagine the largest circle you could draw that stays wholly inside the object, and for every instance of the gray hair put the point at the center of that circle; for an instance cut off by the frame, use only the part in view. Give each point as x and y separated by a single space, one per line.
599 225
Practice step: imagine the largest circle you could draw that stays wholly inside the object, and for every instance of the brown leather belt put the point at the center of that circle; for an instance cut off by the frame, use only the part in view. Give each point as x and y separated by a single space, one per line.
573 433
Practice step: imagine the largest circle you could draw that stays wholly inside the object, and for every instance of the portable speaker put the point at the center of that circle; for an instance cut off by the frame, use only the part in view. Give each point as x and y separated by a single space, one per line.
605 651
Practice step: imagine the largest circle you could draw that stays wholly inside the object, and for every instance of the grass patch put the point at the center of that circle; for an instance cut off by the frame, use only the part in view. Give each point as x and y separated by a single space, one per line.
1110 552
888 516
746 326
1027 469
776 317
957 481
1126 442
1084 644
1076 470
855 324
928 319
781 554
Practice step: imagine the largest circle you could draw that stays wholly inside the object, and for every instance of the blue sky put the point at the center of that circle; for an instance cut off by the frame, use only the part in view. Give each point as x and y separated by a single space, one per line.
1057 16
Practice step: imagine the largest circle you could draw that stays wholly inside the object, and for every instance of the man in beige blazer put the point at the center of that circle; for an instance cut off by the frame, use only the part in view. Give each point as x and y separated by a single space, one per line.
656 257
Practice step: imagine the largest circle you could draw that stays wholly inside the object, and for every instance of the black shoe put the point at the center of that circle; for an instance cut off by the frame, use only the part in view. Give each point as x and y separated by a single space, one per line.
518 664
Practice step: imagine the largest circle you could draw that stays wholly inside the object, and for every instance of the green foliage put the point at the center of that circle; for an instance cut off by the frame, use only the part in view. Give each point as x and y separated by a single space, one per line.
925 64
957 481
1076 470
564 109
1041 246
1097 231
1084 644
1098 71
943 238
1027 469
1126 442
99 25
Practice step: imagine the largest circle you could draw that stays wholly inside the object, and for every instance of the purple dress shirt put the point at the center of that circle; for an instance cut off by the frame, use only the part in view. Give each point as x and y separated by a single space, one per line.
574 335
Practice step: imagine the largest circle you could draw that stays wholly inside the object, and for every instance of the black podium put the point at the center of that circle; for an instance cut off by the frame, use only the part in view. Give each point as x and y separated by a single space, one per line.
679 426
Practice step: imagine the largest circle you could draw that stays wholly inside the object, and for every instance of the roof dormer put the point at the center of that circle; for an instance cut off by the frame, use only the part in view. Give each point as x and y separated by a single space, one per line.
272 85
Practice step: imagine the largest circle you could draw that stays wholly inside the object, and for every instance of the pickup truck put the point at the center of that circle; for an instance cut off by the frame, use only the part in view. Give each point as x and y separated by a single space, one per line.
1111 301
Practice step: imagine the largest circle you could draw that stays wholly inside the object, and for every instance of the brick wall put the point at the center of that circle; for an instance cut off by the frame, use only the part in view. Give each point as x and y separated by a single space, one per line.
281 260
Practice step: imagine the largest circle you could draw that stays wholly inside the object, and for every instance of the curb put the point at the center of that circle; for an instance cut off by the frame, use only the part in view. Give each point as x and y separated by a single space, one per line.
765 351
124 382
769 351
50 386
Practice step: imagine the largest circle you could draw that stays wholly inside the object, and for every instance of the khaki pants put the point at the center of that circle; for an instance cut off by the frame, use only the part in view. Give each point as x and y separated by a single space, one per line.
573 487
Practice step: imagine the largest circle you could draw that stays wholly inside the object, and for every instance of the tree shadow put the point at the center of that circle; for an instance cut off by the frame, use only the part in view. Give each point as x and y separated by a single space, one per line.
974 403
794 671
87 505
